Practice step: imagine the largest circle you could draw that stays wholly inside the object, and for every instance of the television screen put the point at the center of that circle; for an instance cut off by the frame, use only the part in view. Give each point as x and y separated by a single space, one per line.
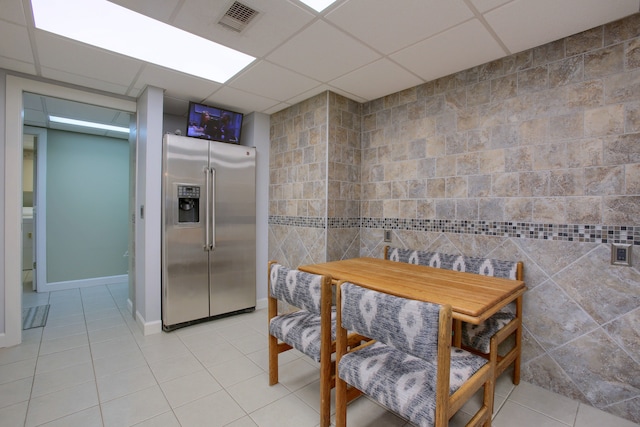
214 123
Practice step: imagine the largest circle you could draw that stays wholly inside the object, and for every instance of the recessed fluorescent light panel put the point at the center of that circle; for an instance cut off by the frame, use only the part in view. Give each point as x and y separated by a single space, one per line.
112 27
318 5
92 125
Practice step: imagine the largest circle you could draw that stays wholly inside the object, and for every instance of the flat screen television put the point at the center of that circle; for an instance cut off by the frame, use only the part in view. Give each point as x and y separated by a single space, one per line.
214 123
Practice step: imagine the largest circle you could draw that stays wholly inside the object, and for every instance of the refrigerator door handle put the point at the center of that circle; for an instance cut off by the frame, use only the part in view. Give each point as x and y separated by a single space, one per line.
212 245
207 244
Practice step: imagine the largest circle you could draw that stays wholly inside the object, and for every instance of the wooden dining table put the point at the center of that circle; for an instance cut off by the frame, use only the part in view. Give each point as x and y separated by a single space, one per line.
473 297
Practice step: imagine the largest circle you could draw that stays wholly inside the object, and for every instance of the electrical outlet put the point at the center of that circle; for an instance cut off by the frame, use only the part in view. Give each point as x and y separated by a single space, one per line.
387 235
621 254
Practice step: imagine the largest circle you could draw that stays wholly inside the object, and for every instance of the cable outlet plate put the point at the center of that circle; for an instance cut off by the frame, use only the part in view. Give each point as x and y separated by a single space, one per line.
621 254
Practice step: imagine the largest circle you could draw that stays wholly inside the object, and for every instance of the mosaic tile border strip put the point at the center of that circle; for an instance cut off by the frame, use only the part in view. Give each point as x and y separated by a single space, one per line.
298 221
566 232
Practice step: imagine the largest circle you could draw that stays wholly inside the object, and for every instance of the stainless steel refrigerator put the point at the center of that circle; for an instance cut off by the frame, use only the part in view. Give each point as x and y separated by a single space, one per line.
208 231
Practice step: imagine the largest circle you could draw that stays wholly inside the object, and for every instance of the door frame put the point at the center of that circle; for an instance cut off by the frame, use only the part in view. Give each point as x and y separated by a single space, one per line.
15 87
39 219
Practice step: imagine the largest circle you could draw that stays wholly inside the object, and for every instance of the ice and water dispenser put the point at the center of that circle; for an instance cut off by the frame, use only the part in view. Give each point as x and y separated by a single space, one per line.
188 204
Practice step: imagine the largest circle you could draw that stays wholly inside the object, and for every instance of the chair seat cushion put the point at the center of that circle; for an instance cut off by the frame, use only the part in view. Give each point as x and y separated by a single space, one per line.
479 336
301 329
402 382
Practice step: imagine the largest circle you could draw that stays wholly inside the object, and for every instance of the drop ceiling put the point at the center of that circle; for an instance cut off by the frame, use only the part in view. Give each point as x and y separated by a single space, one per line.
362 49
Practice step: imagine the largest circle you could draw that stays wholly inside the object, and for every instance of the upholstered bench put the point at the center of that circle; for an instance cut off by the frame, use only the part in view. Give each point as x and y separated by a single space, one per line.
485 338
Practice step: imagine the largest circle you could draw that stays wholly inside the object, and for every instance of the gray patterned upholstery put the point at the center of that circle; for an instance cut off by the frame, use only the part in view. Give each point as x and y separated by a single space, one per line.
399 370
476 336
300 329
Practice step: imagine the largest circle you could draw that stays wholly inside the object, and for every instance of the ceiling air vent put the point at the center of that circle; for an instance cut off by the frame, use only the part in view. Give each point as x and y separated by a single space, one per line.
238 16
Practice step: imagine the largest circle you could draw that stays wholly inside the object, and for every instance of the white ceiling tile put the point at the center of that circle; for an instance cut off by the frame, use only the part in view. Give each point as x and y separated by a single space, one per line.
277 108
320 89
485 5
323 53
176 83
19 48
83 80
271 81
22 67
12 11
523 24
240 101
375 80
80 59
276 22
457 49
391 25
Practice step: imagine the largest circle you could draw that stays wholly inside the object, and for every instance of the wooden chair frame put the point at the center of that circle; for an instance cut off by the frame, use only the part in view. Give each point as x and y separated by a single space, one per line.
446 405
327 345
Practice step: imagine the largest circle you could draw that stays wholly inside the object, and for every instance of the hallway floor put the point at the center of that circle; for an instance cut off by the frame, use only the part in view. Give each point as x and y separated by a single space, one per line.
91 366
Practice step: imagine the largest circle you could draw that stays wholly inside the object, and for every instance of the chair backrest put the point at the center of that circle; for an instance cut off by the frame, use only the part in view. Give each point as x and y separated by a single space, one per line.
300 289
407 325
483 266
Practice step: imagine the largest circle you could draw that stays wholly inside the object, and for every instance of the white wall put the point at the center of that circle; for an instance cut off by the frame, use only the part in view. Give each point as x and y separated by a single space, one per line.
255 133
148 211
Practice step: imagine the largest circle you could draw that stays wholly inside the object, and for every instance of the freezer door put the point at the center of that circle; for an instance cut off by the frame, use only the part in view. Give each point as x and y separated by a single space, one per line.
233 257
185 287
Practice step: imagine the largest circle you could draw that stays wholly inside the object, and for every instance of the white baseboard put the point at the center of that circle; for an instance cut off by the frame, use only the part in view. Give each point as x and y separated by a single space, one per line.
148 328
261 303
83 283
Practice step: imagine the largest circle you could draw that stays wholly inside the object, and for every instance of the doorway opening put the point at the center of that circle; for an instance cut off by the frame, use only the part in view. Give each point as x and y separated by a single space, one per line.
15 89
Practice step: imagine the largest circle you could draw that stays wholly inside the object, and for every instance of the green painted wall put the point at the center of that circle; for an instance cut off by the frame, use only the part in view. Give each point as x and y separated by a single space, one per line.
87 204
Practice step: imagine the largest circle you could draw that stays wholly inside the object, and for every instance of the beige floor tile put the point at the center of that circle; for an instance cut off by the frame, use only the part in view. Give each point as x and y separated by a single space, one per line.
215 354
168 369
168 419
217 409
63 359
64 321
188 388
90 417
165 350
243 422
15 392
124 383
297 374
203 338
134 408
65 402
364 412
118 362
54 332
310 394
17 370
121 345
552 404
106 334
60 379
20 352
14 415
256 392
234 371
250 343
592 417
514 414
64 343
289 411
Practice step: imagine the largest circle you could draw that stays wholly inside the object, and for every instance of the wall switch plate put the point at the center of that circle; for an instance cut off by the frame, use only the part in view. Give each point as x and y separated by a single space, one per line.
621 254
387 235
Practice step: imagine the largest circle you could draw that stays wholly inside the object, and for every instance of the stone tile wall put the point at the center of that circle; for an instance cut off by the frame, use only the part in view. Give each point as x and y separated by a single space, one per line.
298 183
533 157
